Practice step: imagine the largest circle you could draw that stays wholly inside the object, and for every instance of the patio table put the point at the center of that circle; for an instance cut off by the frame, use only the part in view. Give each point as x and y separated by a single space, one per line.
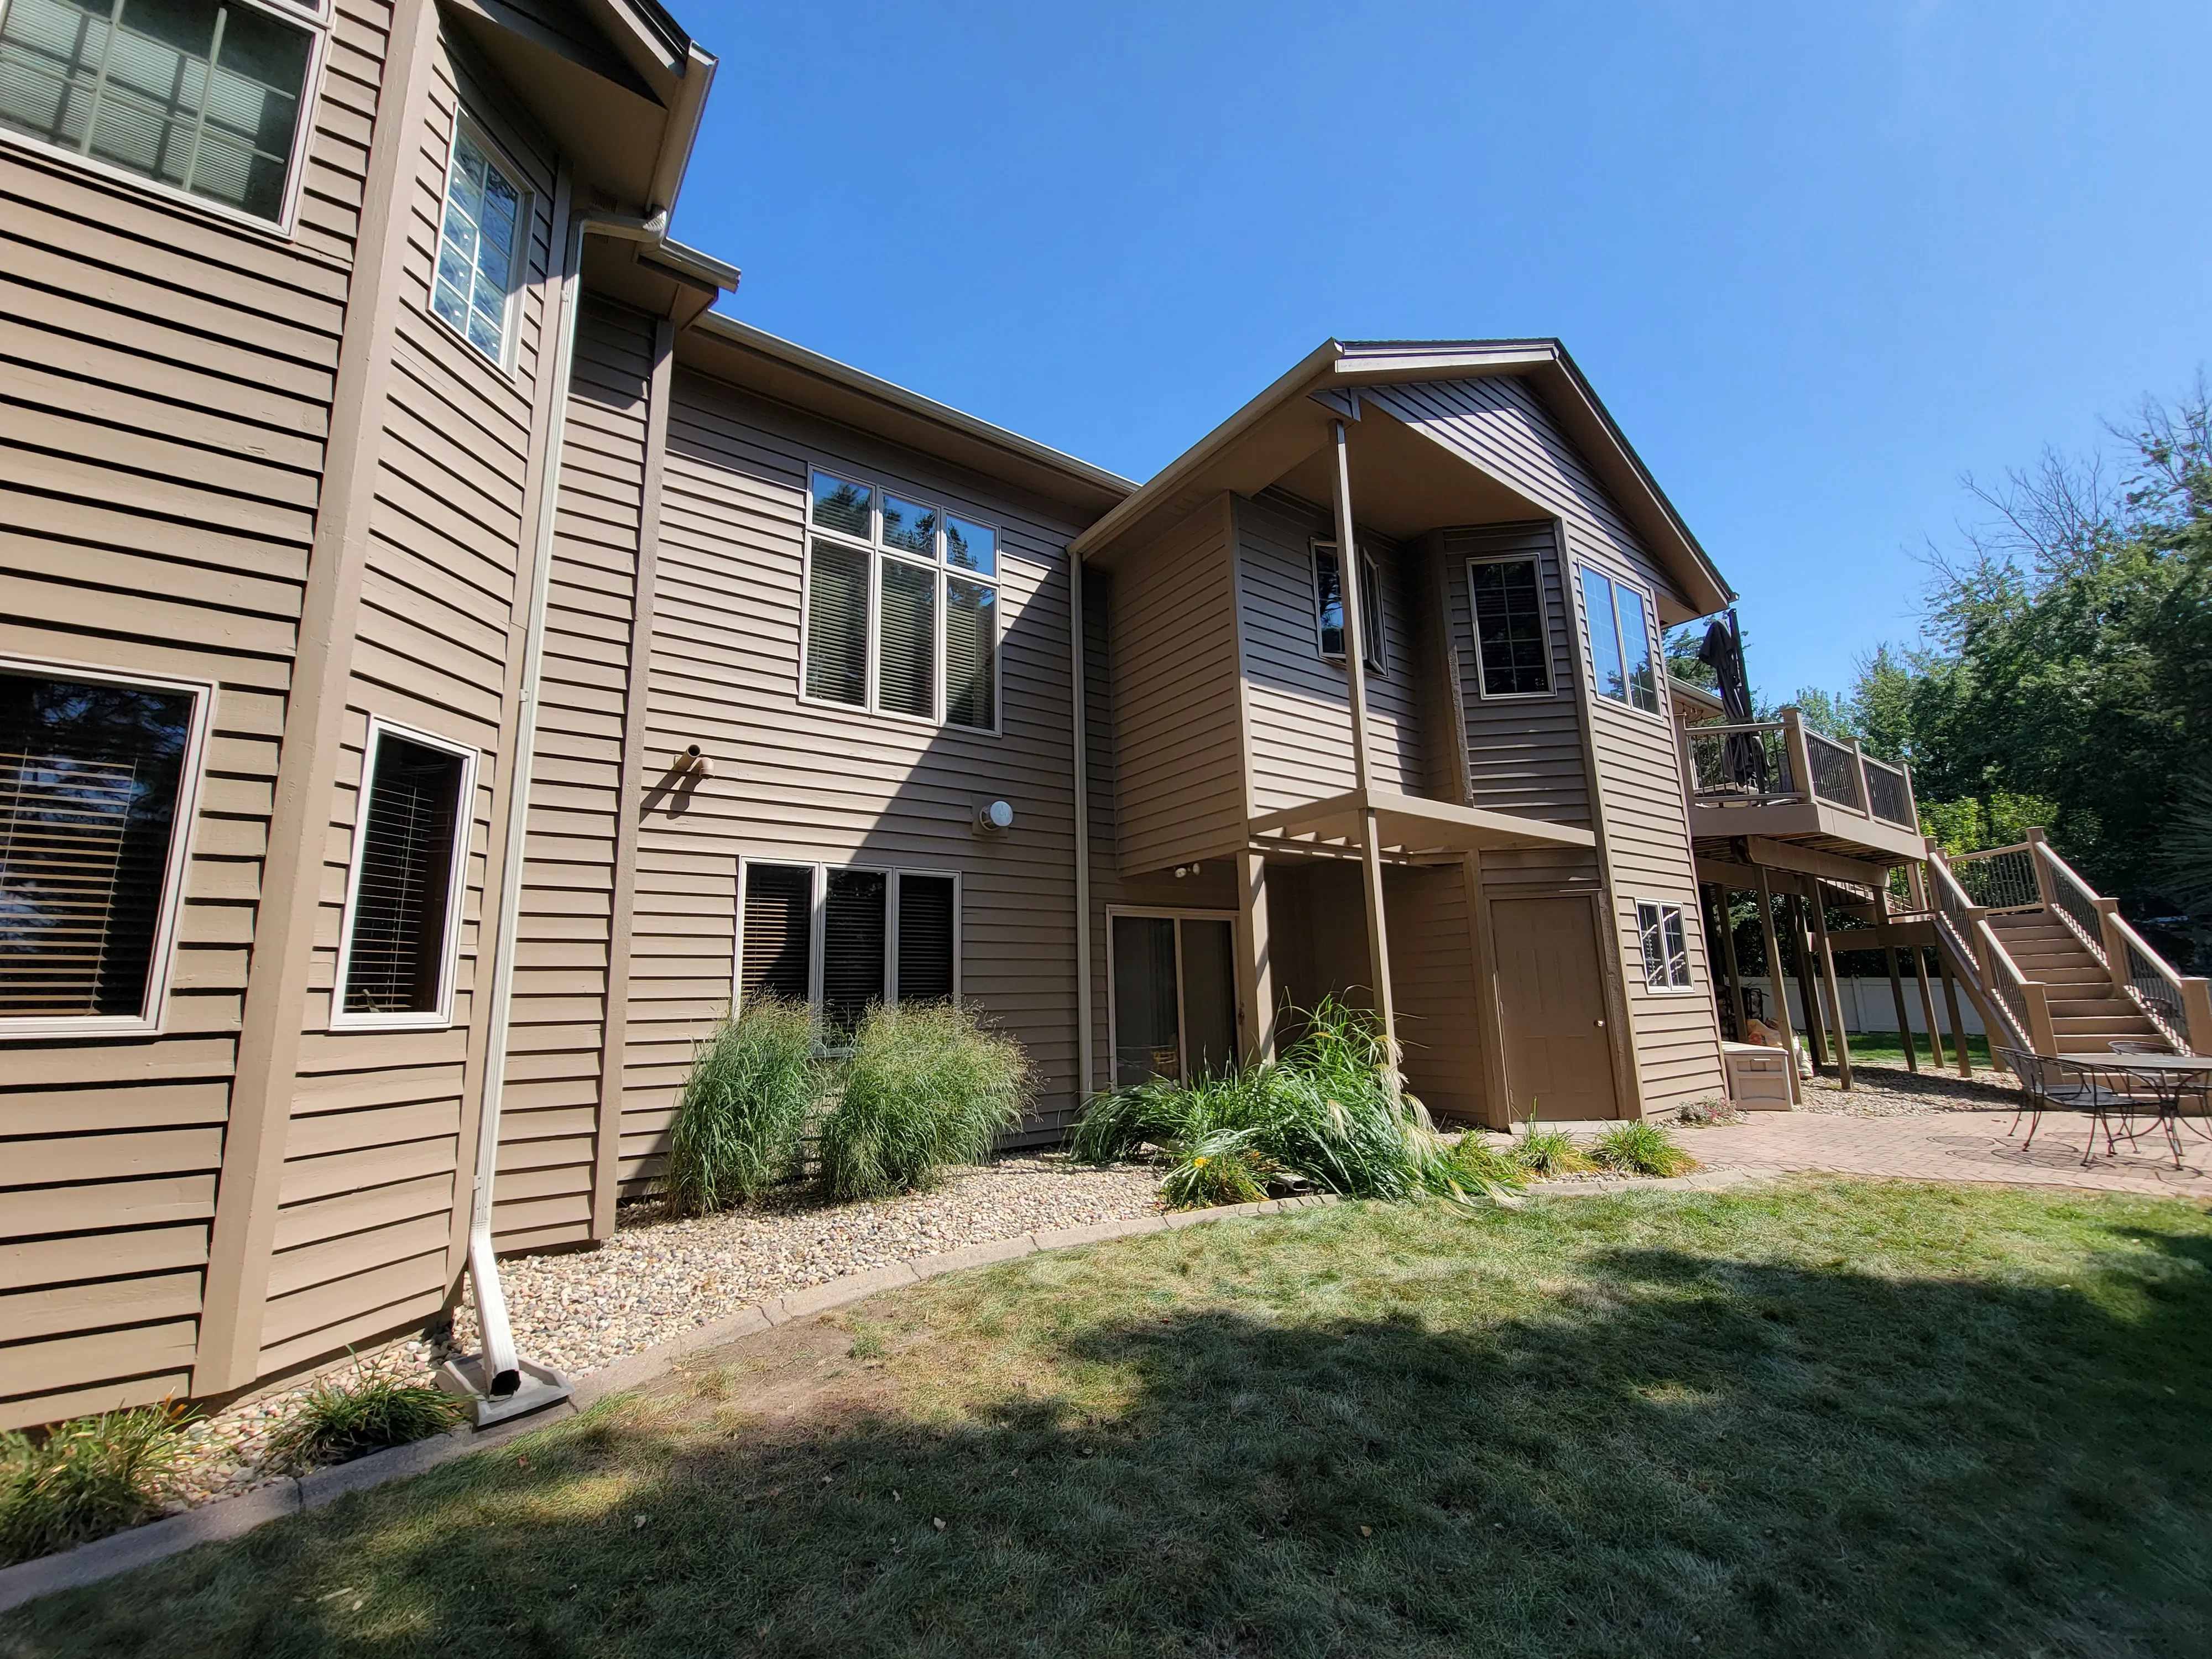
2167 1078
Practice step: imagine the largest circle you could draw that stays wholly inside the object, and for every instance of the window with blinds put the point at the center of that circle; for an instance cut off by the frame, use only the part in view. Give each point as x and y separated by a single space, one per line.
902 607
880 935
410 862
93 779
200 96
1510 646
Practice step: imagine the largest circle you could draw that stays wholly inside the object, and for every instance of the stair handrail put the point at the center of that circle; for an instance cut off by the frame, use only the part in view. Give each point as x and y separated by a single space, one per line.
2016 876
2178 1004
2016 1001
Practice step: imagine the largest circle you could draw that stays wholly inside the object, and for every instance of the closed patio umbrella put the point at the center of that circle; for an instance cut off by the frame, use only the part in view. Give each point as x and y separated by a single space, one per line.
1743 757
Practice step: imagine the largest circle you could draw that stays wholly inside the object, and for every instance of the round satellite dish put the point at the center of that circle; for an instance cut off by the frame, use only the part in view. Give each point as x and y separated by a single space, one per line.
995 815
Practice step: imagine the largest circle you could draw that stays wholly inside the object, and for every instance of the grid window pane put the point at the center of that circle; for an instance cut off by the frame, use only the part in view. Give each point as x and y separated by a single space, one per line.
1678 947
912 529
1508 624
90 777
925 938
853 945
476 243
841 506
779 924
971 546
837 624
199 94
905 665
1611 680
1636 649
971 636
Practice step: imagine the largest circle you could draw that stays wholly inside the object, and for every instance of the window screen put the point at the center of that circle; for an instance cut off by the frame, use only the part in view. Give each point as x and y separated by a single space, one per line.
1509 628
203 96
925 938
853 939
1666 948
409 830
477 247
779 929
91 775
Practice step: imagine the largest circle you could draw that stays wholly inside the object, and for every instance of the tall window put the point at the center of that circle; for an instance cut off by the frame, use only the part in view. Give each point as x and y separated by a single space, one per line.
1510 643
201 97
844 940
1328 607
409 870
477 247
902 607
1620 641
95 788
1666 948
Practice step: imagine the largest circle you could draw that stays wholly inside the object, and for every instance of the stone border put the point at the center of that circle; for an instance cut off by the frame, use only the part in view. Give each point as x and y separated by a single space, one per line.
232 1518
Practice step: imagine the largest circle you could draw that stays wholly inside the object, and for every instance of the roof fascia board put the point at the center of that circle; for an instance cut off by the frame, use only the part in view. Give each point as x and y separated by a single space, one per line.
686 109
1166 485
645 34
1357 368
1095 480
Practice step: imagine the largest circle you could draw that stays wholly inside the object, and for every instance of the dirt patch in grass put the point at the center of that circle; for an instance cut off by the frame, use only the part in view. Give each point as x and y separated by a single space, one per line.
1823 1417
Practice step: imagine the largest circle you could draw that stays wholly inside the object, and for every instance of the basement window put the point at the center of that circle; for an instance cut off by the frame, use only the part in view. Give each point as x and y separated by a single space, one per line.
844 940
204 98
1328 607
403 894
96 783
1666 946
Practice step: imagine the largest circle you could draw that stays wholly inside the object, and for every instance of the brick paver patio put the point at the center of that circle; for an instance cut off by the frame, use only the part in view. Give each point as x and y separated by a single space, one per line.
1960 1145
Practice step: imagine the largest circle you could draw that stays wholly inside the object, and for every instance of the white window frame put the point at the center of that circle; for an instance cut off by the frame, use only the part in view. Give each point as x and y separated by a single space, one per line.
1178 916
816 939
510 328
312 15
1651 633
873 545
1659 908
1378 648
1475 631
151 1018
413 1019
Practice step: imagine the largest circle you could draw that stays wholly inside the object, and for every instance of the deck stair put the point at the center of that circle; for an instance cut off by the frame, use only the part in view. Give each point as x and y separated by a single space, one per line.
2053 967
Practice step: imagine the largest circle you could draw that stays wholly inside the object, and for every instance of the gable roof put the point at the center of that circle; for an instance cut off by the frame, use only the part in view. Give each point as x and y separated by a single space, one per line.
1283 425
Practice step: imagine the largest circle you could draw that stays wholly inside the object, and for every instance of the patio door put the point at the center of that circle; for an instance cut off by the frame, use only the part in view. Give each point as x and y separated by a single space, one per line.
1174 988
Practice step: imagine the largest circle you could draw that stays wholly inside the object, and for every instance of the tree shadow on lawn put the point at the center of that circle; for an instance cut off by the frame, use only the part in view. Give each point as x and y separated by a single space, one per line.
1668 1453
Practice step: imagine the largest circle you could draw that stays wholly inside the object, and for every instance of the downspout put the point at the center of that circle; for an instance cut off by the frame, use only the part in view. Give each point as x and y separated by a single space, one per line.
1079 691
503 1374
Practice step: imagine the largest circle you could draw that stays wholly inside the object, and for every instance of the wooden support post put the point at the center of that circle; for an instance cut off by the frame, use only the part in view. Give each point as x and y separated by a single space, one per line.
1959 1052
1774 978
1835 991
1255 968
1896 985
1728 958
1927 1008
1809 990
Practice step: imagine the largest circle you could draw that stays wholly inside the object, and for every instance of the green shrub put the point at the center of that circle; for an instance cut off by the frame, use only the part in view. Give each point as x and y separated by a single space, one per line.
360 1414
1323 1112
1635 1147
1480 1164
84 1478
926 1085
1547 1152
743 1117
1220 1168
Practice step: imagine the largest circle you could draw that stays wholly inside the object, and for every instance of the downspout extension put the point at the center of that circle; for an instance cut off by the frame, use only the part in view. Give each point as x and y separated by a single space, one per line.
498 1382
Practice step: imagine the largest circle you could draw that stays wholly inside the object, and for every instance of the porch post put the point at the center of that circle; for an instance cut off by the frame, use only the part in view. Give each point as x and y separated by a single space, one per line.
1774 978
1348 579
1808 989
1255 968
1928 1009
1896 985
1959 1052
1728 959
1835 991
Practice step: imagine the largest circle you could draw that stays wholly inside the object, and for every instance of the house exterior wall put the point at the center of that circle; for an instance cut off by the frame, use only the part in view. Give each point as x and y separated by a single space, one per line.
1499 424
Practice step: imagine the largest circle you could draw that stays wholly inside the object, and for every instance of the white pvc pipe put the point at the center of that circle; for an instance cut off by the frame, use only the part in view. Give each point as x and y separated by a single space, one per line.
1083 1041
502 1370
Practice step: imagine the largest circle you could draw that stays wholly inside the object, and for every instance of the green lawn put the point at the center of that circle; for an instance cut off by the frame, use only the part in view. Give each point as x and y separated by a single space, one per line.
1820 1418
1885 1049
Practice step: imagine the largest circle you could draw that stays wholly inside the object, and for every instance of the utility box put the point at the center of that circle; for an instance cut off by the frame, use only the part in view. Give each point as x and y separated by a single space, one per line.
1758 1079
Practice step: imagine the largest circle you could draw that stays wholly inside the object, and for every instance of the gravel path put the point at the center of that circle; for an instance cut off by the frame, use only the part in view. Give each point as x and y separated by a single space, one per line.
1893 1091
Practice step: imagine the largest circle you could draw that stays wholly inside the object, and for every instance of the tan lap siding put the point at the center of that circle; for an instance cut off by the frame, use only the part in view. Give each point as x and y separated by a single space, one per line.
1433 985
1299 703
1178 763
378 1148
550 1115
1501 425
798 781
165 386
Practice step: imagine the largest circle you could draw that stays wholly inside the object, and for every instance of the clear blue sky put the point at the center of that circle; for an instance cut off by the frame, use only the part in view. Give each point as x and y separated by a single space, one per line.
1820 261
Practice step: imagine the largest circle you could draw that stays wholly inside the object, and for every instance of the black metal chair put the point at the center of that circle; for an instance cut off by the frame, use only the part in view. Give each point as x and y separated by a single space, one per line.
2041 1091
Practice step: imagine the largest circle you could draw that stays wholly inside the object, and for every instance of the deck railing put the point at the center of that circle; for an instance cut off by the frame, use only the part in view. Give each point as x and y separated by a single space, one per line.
1712 776
1972 942
1835 772
1839 774
2001 878
1889 793
2177 1004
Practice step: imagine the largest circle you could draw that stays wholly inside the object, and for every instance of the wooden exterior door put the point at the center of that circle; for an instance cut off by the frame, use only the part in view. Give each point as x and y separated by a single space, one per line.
1550 997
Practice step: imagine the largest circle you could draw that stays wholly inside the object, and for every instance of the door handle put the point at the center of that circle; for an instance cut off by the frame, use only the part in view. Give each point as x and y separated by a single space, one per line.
1599 1024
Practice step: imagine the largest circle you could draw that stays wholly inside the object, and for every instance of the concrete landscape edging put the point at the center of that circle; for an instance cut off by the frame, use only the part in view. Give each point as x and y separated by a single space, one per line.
232 1518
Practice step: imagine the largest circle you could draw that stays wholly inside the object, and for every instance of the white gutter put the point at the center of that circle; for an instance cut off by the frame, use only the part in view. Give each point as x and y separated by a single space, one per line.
502 1372
1084 1077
